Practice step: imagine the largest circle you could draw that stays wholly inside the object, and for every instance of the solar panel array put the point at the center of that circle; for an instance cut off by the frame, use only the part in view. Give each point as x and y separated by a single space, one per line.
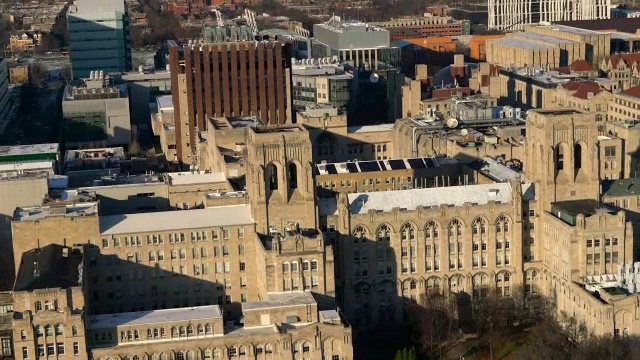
375 165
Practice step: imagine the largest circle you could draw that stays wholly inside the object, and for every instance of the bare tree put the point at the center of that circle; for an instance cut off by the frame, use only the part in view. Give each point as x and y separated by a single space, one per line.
546 341
493 316
434 324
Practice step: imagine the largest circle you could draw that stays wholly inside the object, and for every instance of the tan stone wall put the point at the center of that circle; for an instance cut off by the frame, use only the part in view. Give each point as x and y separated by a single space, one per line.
376 271
315 342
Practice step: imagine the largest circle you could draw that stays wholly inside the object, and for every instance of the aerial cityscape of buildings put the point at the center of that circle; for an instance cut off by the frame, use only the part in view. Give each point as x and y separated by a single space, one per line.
277 193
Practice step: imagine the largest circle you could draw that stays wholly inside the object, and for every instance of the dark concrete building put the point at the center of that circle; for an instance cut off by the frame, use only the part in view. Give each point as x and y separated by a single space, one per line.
231 72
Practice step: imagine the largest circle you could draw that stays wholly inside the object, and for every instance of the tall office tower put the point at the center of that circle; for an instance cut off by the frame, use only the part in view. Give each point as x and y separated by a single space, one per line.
515 14
227 73
98 37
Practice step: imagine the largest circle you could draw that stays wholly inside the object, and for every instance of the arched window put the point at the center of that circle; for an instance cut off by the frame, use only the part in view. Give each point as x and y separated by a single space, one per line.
123 335
136 334
293 176
48 330
162 332
216 353
208 329
325 145
455 228
183 331
180 355
174 331
74 331
479 226
149 334
306 347
433 284
156 333
384 234
59 329
39 330
314 265
407 232
413 285
559 155
577 156
268 349
190 355
190 330
242 350
136 357
259 349
502 224
431 230
200 329
272 176
207 354
359 234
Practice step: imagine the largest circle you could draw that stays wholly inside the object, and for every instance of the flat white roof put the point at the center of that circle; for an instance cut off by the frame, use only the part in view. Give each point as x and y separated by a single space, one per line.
29 149
369 128
109 321
176 220
276 300
165 102
361 203
519 43
188 178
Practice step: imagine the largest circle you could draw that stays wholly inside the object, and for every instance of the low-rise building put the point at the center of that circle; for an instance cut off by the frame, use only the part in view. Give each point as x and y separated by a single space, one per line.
281 326
427 25
96 113
319 81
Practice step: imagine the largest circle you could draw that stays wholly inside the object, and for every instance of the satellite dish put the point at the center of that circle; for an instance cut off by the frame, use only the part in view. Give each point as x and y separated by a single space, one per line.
452 122
374 78
464 132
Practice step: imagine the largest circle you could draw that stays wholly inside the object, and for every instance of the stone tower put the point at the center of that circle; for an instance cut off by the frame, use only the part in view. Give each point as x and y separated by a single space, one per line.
280 178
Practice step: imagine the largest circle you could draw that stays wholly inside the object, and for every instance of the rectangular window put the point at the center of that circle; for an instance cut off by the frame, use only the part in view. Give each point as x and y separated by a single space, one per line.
225 234
609 151
51 349
589 243
596 258
105 243
76 348
240 232
25 352
40 350
6 347
596 242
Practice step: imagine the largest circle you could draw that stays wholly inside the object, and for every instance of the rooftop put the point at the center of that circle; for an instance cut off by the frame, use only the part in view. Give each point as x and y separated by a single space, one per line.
520 43
277 300
571 29
22 150
361 203
379 165
629 25
165 102
67 210
111 321
176 220
495 170
53 266
189 178
545 38
369 128
569 210
622 187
